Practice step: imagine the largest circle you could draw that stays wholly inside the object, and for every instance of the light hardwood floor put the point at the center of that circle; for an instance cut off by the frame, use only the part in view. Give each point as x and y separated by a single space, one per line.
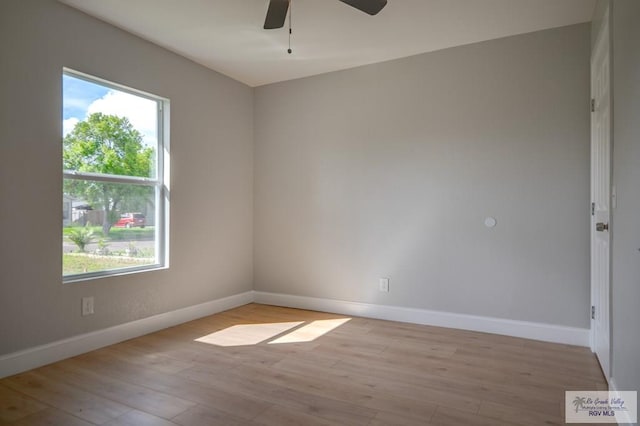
362 372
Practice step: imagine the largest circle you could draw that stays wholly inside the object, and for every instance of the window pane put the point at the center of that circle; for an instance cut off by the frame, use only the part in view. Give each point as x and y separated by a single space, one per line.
108 131
114 197
109 226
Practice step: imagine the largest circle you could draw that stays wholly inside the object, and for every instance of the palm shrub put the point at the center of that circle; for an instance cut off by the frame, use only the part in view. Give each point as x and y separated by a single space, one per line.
81 236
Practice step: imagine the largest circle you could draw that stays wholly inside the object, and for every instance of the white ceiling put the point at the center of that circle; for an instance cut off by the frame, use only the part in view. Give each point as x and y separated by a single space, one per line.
227 35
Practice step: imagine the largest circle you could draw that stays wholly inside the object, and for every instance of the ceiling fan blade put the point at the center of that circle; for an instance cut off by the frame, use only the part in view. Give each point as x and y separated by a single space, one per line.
276 14
372 7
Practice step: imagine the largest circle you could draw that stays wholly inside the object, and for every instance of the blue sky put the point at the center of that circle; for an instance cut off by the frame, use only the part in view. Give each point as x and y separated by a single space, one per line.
77 95
81 98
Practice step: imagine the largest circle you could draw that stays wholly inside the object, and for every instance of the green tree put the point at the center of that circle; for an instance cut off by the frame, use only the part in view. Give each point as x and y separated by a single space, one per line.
106 144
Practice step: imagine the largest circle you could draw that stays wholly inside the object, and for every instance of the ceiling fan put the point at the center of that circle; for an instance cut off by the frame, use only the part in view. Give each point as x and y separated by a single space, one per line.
277 12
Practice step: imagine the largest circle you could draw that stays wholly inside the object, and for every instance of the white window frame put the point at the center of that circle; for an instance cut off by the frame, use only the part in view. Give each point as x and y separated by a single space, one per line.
160 182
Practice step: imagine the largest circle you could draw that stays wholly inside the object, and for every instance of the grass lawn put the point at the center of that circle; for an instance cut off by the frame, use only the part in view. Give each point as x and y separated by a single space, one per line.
78 263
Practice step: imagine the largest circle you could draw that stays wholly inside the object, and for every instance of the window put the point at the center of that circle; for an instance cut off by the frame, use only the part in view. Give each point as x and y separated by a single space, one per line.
115 176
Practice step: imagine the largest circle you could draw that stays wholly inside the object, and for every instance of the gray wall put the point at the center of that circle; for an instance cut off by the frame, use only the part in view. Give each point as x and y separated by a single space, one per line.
385 170
389 170
212 176
625 283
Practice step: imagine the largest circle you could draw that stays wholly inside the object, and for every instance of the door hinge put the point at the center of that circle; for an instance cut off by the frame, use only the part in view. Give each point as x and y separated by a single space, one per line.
593 105
593 209
593 312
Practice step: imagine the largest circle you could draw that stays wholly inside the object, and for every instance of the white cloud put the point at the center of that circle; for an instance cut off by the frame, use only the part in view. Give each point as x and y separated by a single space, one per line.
68 125
141 112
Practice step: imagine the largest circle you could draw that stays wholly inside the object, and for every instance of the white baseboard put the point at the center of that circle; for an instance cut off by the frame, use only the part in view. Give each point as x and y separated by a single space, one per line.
524 329
27 359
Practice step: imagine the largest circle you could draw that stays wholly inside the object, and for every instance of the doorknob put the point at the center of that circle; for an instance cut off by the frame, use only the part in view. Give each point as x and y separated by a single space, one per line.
602 226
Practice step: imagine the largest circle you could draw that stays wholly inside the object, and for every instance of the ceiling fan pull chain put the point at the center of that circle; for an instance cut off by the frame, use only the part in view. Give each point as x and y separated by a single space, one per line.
290 8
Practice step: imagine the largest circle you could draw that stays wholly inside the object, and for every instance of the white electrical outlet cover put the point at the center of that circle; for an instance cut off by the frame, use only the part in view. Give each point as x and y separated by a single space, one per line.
87 306
384 285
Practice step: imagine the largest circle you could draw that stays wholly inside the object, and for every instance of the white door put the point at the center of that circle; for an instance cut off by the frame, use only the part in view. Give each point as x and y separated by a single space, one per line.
600 197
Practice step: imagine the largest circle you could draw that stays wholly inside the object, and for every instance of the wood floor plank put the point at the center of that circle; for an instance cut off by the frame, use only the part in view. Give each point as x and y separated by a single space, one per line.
457 393
203 415
345 387
139 418
446 416
138 397
359 371
51 416
518 415
289 391
285 416
425 392
197 392
67 398
14 405
548 363
157 361
385 418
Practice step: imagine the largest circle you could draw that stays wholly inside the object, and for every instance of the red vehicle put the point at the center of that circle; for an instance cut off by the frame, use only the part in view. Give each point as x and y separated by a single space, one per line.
129 220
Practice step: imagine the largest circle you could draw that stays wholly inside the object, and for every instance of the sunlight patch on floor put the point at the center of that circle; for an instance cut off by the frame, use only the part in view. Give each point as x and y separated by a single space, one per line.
310 332
247 334
252 334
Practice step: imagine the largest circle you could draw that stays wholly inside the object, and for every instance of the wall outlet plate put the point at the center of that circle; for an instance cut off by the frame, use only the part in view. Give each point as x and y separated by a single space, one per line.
384 285
87 306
